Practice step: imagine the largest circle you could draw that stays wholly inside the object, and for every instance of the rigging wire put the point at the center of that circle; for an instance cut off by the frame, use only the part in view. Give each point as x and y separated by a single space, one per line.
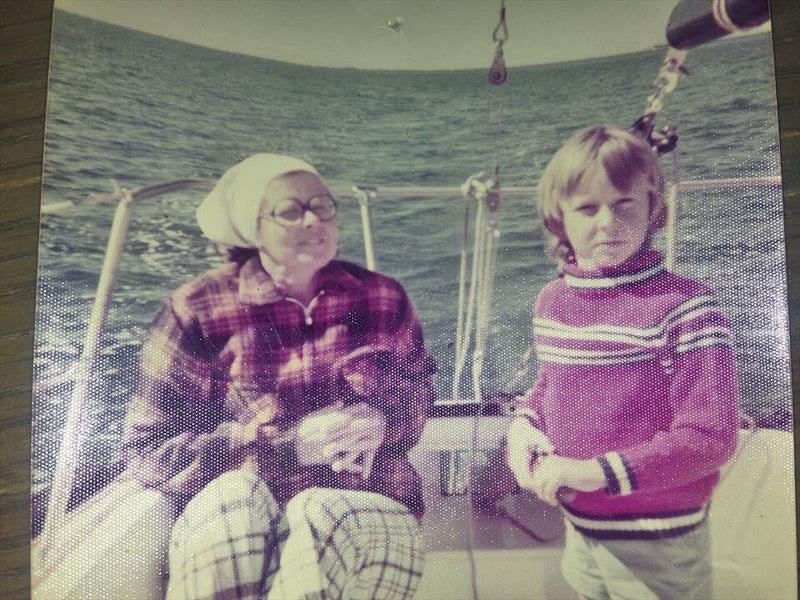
466 315
474 318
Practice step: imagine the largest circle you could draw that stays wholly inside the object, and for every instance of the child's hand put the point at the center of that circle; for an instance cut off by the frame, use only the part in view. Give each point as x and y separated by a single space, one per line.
522 441
553 472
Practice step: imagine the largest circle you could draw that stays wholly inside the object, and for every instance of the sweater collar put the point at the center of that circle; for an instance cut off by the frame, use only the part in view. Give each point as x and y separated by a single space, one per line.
639 267
257 287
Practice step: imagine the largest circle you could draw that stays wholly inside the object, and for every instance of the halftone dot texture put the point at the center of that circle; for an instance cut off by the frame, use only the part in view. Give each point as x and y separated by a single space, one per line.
130 109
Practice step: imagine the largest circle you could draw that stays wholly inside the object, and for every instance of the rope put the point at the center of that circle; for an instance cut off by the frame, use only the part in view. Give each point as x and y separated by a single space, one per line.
474 318
465 320
672 211
667 80
486 283
484 259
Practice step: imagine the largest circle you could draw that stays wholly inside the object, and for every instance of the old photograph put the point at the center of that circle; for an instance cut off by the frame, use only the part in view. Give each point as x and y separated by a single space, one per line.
396 299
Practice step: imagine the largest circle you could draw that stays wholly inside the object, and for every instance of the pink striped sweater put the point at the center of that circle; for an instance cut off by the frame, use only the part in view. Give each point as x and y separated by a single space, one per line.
636 369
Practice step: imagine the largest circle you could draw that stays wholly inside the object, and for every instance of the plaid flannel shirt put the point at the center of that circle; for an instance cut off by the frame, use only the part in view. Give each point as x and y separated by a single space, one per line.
229 344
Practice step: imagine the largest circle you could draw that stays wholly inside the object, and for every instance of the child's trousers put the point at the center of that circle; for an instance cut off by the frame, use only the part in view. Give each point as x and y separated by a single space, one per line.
234 542
675 568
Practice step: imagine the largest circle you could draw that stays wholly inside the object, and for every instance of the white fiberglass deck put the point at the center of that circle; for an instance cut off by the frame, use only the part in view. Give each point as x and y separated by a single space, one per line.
752 522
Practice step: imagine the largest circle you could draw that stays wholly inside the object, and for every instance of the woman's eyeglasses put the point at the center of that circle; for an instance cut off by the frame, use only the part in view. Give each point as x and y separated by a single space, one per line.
291 211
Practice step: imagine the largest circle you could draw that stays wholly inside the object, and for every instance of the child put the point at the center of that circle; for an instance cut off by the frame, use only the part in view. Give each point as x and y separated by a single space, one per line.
636 387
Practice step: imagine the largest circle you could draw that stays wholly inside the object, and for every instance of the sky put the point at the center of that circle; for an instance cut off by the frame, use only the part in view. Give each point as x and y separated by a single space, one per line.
436 34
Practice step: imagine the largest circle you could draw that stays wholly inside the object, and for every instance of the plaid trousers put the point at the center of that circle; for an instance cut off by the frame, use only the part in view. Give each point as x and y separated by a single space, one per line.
233 541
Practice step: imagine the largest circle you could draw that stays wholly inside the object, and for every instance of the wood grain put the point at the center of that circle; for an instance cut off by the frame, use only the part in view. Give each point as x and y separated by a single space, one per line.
24 49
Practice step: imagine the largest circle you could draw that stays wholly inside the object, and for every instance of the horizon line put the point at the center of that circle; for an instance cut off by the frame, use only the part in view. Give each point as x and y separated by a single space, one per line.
652 48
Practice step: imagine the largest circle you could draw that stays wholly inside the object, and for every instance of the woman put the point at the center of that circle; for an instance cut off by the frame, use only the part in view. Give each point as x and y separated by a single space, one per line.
278 398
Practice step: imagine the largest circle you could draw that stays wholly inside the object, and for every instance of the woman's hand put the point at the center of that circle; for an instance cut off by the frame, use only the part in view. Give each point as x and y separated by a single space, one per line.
344 437
552 473
317 431
366 434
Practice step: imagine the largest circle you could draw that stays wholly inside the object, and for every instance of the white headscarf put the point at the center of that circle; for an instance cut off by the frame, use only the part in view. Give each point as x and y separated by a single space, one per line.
229 214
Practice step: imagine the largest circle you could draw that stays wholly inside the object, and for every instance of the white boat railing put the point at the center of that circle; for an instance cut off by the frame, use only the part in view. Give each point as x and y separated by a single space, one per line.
391 192
77 412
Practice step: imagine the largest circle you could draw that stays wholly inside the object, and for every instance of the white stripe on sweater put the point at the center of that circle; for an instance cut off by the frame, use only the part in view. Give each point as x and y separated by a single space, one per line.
690 304
561 360
651 337
628 352
641 524
588 357
585 334
607 282
615 462
704 342
714 331
693 314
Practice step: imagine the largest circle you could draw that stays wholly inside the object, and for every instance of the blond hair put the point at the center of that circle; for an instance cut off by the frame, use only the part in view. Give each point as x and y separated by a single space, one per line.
623 156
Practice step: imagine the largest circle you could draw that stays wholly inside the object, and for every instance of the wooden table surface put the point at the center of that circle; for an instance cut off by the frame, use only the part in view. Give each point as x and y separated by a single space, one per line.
24 48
